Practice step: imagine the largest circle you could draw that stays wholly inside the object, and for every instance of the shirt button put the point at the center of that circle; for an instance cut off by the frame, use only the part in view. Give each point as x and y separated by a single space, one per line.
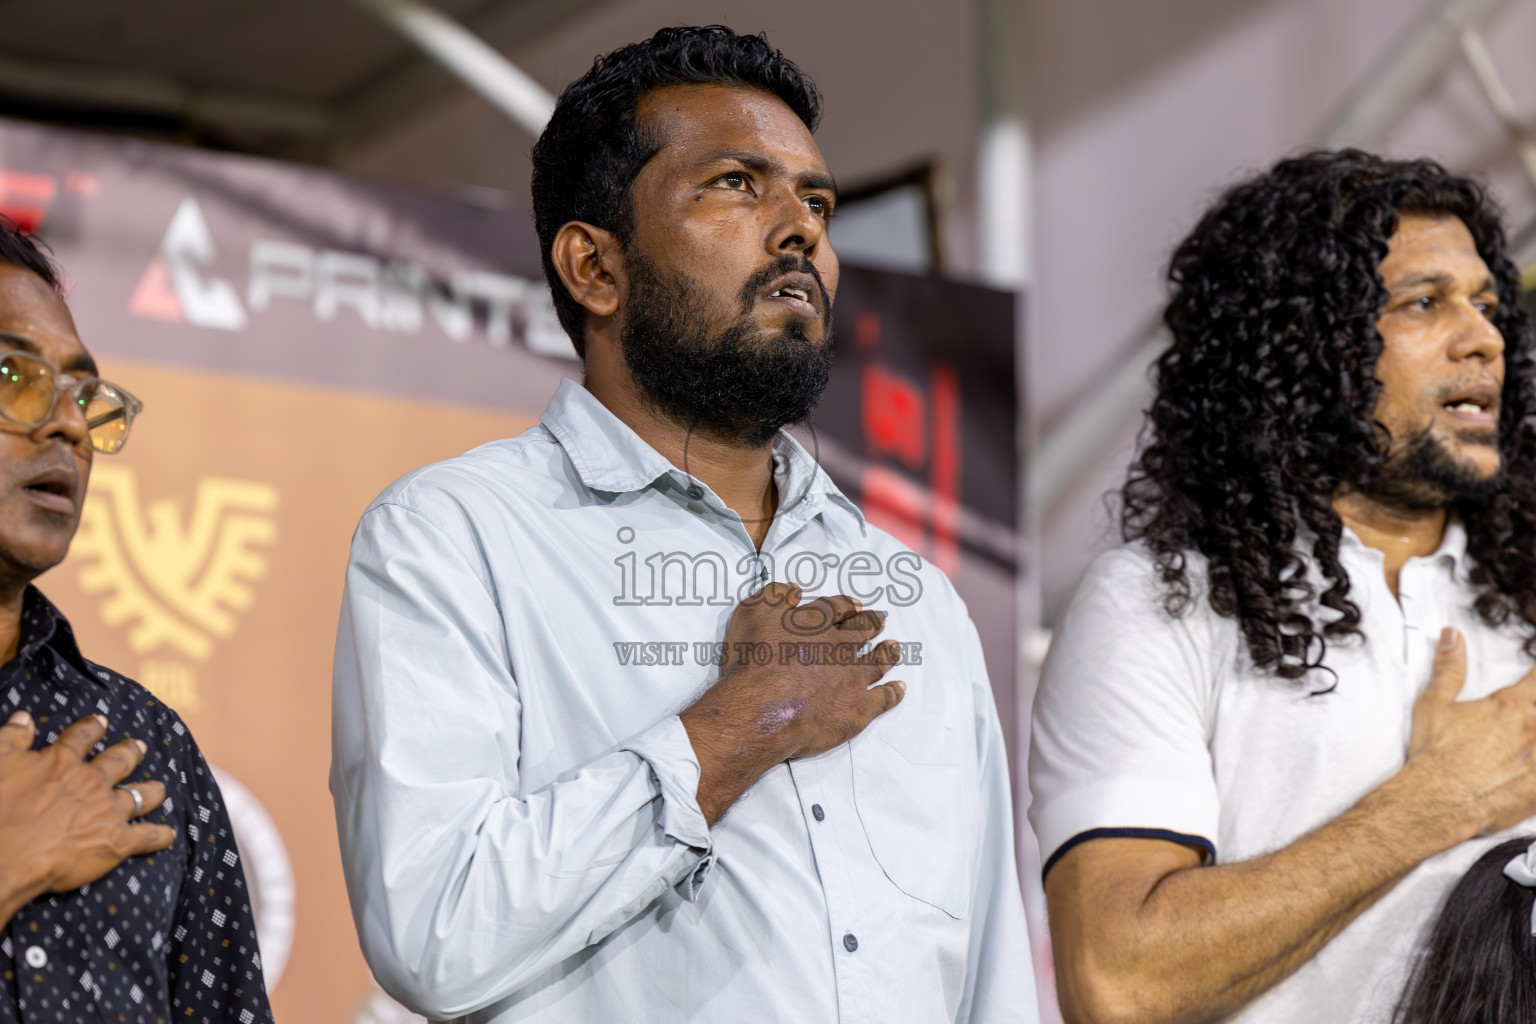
36 956
817 812
850 943
695 492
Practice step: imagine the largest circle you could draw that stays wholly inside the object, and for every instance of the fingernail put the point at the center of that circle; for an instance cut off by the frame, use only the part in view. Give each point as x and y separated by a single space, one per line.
21 718
102 719
1447 638
142 748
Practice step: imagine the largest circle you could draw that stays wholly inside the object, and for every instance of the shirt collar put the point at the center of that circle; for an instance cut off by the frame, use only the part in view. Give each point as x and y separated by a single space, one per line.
609 456
803 483
43 625
1453 543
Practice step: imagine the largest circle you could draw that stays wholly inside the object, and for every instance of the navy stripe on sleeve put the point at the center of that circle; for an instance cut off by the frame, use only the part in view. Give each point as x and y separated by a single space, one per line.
1130 833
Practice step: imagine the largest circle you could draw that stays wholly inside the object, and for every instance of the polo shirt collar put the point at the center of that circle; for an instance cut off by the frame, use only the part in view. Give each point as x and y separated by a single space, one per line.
1453 543
609 456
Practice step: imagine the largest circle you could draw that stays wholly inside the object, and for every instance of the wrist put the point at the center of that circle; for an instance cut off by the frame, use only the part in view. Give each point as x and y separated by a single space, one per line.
1428 817
732 749
735 720
20 884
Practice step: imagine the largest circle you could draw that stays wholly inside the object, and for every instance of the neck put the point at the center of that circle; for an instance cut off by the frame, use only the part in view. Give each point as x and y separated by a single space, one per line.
1399 534
741 475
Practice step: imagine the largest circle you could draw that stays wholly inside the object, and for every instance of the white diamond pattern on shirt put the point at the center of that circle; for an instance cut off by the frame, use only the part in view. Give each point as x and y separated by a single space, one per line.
101 951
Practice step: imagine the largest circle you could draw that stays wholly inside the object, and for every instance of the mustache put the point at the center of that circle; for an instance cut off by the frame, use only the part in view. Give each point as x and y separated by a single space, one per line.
788 263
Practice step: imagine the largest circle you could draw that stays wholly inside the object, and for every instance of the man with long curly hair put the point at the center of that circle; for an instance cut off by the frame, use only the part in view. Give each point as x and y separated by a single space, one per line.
1282 719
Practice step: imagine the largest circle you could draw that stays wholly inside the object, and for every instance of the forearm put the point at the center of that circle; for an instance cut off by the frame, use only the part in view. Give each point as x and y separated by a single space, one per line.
735 740
464 893
466 878
1204 941
728 765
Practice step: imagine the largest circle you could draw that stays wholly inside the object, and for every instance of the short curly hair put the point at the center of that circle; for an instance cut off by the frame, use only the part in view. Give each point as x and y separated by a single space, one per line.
1265 403
586 161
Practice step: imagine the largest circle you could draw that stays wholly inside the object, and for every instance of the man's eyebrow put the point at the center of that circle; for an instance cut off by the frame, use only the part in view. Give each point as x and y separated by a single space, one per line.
1444 282
20 341
746 157
817 180
767 165
1439 280
82 361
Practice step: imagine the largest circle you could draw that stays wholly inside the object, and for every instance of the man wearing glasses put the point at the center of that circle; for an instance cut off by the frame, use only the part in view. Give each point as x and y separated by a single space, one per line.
122 897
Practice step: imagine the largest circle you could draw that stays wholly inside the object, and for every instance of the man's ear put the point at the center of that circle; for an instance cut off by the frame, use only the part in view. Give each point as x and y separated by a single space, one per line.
587 258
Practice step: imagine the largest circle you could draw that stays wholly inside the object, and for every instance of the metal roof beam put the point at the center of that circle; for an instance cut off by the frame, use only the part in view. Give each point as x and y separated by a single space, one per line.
380 102
121 91
1404 73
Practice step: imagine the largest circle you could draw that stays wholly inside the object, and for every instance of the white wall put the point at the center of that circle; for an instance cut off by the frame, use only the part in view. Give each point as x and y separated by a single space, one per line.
1130 151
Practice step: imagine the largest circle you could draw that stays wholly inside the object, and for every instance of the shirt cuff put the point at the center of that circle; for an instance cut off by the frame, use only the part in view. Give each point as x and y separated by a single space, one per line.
666 748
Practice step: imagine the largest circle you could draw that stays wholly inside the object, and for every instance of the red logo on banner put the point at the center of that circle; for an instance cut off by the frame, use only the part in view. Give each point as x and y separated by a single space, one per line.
176 285
25 198
153 297
916 425
893 415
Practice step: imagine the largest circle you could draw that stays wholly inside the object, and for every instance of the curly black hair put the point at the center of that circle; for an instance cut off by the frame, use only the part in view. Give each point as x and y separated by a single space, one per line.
1265 403
593 148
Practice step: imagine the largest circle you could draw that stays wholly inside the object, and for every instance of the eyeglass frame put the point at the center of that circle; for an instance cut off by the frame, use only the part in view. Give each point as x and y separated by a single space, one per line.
131 405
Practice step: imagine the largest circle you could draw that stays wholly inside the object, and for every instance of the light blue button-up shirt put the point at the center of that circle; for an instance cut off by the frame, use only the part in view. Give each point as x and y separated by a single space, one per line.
516 796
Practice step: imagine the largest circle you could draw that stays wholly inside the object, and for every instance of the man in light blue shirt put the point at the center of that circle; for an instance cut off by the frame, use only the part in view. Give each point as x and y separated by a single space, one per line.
605 746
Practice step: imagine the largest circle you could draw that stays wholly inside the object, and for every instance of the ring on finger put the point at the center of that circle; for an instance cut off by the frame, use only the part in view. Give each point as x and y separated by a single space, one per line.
138 800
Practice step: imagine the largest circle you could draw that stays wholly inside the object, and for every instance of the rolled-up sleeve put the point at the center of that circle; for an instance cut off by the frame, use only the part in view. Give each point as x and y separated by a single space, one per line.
463 887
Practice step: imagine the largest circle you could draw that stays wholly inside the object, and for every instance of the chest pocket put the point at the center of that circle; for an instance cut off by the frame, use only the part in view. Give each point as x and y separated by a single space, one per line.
915 789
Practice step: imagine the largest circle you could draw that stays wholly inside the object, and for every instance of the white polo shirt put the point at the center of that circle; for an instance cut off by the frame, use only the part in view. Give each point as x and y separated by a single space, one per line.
1148 725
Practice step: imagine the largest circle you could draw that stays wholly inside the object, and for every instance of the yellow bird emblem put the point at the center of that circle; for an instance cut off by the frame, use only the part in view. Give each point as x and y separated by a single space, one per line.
174 583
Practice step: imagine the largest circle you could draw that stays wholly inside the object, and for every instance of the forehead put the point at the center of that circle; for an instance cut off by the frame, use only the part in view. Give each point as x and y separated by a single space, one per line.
695 120
1441 245
33 310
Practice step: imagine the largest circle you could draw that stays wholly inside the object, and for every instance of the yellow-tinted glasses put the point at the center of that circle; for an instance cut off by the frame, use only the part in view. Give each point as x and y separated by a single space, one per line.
30 389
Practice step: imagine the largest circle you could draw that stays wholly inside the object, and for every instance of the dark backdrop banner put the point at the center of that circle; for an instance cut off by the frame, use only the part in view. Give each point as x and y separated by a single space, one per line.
300 339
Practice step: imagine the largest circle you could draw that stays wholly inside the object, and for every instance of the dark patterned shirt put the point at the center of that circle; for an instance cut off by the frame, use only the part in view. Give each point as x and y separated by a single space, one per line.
160 938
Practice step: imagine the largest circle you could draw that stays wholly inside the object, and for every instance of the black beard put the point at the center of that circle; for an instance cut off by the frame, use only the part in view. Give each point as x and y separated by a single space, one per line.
1425 477
736 384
